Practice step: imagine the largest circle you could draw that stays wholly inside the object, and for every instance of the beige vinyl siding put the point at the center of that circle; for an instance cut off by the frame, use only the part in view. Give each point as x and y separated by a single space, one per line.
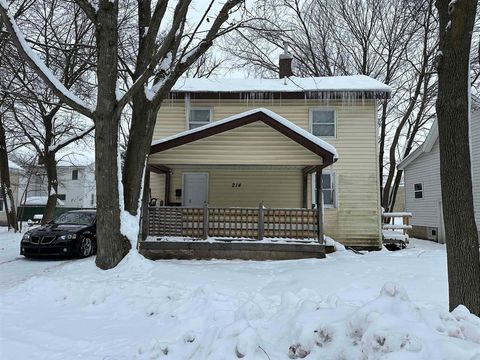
157 187
276 187
355 222
252 144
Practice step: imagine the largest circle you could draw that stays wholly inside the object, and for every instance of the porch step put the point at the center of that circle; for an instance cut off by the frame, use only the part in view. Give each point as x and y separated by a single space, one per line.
229 250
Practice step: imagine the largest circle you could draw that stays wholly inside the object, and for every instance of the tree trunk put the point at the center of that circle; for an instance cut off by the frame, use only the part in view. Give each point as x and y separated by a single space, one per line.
50 165
7 194
139 141
143 118
456 25
112 246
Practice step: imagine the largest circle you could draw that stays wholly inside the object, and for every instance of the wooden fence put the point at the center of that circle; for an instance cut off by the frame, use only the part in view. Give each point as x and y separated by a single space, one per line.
251 223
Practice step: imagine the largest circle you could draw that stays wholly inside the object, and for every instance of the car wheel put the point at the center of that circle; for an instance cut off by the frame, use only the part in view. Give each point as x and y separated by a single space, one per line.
86 247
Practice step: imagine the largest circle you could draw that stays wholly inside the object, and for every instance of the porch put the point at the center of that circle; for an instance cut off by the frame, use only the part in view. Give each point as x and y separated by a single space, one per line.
253 170
232 233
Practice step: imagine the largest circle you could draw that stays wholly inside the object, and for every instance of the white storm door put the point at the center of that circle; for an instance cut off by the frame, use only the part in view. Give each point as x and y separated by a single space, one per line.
195 189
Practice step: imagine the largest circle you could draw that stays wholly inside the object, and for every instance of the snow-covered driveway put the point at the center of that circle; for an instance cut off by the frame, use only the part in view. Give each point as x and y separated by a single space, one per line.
382 305
14 268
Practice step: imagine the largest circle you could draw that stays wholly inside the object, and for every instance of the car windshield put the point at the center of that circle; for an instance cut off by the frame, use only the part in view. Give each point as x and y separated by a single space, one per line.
80 218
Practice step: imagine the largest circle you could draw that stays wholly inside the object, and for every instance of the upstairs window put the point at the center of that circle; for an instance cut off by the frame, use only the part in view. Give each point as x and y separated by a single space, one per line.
323 122
62 197
328 189
199 116
74 174
418 190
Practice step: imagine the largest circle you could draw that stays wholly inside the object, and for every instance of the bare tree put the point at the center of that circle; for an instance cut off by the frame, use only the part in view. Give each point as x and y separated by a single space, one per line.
158 65
180 49
391 41
6 190
5 103
453 114
206 66
414 112
63 36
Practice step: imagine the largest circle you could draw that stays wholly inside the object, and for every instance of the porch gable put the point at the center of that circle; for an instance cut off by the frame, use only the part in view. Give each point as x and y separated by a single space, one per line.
258 136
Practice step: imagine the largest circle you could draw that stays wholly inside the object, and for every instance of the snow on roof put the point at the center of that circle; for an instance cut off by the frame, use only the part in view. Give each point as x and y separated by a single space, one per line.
13 166
40 200
430 140
350 83
76 159
307 135
425 147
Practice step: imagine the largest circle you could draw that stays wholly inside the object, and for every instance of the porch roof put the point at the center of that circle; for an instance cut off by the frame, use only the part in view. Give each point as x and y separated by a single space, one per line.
306 139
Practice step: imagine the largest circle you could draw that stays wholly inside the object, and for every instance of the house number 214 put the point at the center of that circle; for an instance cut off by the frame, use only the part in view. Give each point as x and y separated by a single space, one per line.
236 184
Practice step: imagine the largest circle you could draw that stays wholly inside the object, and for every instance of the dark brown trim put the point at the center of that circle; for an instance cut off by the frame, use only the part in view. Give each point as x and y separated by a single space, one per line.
168 181
267 95
305 190
309 169
299 139
319 202
158 169
327 157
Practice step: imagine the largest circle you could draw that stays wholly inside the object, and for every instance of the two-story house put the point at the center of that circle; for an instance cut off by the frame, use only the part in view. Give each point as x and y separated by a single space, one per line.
423 190
236 143
76 183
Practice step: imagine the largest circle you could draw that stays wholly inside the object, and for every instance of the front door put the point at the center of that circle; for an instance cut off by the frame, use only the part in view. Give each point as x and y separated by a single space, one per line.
195 189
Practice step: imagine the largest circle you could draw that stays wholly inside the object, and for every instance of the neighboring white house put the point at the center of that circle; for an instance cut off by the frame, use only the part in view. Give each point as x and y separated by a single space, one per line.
15 175
423 197
76 183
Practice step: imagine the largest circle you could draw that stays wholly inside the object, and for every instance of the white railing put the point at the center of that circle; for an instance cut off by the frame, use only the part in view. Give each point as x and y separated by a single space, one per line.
394 230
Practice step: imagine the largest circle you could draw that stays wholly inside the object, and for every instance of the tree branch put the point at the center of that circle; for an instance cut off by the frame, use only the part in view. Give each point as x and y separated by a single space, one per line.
39 66
88 9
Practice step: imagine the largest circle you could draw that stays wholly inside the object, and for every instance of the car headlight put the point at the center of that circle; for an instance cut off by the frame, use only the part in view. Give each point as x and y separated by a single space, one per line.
67 237
26 237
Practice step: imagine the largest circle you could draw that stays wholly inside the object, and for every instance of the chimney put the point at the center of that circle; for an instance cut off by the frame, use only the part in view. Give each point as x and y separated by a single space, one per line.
285 62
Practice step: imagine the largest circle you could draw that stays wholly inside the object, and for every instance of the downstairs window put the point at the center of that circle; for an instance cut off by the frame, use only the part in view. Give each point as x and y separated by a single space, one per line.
328 189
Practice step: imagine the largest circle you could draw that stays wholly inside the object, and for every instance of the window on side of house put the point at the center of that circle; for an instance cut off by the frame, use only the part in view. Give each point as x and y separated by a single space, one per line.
62 197
418 190
74 174
199 116
328 187
323 122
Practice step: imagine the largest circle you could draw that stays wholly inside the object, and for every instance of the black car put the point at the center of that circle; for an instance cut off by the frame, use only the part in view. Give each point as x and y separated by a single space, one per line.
70 234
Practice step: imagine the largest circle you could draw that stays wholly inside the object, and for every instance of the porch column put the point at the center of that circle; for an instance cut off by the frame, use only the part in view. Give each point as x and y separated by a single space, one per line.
305 189
168 180
319 202
145 203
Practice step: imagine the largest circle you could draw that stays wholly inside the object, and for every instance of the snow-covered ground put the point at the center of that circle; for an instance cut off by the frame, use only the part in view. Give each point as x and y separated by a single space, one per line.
381 305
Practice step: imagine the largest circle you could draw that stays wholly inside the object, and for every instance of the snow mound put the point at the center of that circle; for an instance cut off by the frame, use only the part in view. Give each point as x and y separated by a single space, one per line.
339 308
299 326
